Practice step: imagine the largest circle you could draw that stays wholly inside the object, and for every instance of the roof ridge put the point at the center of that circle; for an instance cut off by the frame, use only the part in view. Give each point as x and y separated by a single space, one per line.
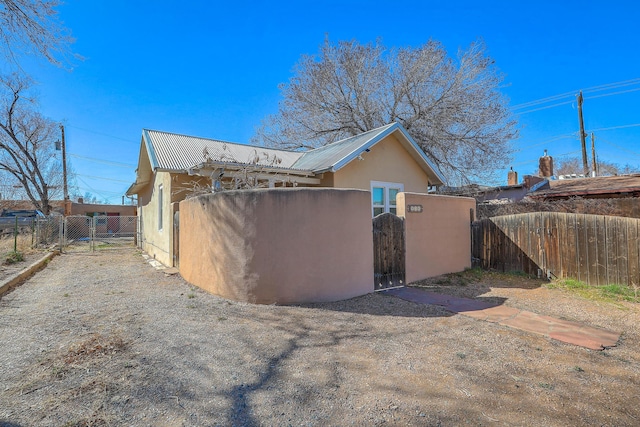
222 141
359 135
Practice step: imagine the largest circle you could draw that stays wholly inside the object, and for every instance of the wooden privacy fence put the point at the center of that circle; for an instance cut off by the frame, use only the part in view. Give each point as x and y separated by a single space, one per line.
595 249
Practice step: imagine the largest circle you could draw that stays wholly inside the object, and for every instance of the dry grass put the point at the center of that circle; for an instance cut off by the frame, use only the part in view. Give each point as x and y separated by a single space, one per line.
23 243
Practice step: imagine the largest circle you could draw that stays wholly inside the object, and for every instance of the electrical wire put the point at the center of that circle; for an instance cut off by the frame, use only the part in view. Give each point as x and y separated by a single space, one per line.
100 193
106 162
103 178
544 108
598 88
633 153
99 133
614 127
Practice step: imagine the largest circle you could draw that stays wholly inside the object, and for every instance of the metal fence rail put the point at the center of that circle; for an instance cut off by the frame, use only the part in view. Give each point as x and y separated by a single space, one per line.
84 233
72 233
35 233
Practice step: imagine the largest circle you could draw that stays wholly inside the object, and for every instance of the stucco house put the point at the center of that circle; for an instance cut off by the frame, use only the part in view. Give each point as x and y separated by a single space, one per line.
384 161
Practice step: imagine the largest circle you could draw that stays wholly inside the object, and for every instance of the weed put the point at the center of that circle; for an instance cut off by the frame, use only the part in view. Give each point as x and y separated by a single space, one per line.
607 293
222 318
547 386
475 273
66 295
96 345
13 257
578 369
461 355
191 296
517 273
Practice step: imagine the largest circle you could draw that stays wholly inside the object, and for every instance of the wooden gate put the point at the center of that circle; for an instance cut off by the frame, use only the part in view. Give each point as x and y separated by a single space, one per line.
388 251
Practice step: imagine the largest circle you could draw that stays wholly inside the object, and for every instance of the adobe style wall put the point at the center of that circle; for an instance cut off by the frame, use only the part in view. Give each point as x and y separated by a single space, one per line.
283 245
437 239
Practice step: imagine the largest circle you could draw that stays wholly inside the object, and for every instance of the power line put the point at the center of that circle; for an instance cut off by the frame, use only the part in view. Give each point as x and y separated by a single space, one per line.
598 88
100 133
106 162
613 93
549 140
633 153
555 155
545 107
615 127
105 179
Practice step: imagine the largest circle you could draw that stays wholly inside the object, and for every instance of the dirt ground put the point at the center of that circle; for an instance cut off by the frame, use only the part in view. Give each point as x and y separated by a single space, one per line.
8 270
104 339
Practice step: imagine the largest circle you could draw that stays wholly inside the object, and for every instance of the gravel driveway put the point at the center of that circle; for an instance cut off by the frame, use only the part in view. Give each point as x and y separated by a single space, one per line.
105 339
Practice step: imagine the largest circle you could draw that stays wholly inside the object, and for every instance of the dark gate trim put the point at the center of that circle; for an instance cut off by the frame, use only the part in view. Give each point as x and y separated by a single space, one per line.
388 251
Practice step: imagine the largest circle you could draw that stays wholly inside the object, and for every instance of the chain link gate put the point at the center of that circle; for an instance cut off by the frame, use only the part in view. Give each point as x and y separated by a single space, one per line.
100 232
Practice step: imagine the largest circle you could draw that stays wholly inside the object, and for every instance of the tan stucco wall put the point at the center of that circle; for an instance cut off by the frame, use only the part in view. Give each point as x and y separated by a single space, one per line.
157 243
438 240
387 161
278 245
85 208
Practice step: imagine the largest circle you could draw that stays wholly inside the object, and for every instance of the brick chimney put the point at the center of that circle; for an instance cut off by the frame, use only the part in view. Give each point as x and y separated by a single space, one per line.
546 165
512 177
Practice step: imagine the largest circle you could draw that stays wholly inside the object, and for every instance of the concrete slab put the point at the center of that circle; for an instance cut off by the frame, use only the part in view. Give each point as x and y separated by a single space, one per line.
562 330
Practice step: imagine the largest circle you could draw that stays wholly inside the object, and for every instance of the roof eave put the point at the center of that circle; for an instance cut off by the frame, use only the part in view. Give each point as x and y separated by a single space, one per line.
153 160
136 187
262 168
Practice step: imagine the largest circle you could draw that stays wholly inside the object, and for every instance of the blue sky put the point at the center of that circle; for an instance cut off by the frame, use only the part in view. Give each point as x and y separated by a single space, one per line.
212 69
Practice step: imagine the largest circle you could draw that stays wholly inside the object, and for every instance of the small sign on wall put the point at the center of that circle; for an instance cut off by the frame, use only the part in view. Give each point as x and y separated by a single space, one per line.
414 208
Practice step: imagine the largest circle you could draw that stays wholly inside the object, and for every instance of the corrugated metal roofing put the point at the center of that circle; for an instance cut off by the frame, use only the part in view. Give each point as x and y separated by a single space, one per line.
324 158
180 152
172 151
601 185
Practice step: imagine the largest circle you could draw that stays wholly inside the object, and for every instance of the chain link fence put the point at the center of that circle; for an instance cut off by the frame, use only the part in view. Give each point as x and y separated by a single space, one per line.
70 234
84 233
31 233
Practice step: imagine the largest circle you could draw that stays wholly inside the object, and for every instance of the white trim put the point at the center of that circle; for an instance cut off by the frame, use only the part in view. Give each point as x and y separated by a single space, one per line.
160 207
386 186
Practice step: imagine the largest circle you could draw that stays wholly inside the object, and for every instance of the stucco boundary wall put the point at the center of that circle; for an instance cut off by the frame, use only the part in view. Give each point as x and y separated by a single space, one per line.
437 233
279 246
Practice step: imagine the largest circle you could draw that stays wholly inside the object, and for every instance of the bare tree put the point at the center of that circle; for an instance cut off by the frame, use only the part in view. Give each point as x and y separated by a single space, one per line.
453 108
27 144
573 165
32 27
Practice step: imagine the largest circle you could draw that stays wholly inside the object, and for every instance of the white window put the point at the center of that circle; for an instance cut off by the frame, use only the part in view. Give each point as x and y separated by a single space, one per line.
383 196
160 203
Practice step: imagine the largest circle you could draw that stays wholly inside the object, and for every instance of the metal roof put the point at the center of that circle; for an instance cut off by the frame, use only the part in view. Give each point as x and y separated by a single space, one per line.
601 186
331 155
170 151
175 152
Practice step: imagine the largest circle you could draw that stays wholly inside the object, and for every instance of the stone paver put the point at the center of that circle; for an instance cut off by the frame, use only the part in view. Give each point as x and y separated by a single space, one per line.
562 330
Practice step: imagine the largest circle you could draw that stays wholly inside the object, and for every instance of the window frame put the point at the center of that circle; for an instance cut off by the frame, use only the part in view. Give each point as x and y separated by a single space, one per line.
387 205
160 206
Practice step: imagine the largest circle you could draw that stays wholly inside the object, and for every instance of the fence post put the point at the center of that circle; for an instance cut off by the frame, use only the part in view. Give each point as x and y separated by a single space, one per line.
61 226
92 234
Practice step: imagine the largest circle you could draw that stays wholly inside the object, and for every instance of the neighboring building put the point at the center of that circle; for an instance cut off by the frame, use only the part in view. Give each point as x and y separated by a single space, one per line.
59 207
500 194
385 161
601 187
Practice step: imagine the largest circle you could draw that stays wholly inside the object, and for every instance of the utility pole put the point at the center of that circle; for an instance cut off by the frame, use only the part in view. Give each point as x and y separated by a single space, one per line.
583 136
64 166
593 154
